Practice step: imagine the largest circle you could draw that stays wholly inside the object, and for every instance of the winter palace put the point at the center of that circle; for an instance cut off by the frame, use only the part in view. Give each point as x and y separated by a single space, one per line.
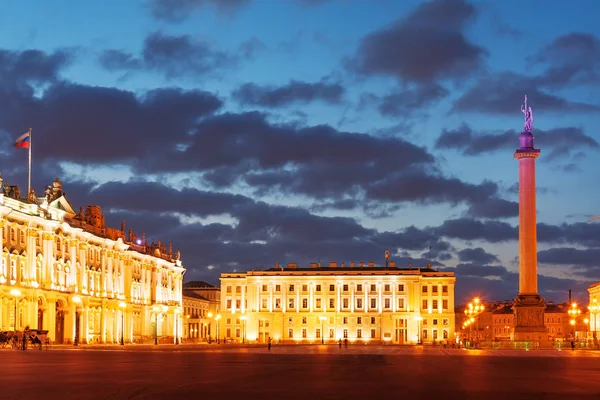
66 273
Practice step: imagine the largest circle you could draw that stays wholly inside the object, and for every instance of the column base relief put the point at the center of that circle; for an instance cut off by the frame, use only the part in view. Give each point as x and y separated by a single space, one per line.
529 318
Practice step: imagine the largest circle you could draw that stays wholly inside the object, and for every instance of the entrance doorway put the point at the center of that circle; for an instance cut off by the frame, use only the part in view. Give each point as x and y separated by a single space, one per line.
40 319
401 331
60 326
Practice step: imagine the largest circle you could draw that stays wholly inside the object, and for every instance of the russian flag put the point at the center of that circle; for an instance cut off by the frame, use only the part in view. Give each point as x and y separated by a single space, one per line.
23 141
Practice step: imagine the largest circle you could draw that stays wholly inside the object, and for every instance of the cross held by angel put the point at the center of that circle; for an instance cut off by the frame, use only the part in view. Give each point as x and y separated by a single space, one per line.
528 116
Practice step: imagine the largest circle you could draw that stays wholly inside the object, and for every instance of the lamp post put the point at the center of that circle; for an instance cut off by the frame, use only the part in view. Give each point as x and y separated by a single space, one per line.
244 318
77 301
471 311
156 311
217 318
175 314
322 318
210 315
574 312
594 309
15 293
122 306
419 318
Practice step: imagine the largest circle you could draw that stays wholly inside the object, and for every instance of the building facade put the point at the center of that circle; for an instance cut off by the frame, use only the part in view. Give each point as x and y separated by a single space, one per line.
209 316
325 304
594 309
65 272
195 317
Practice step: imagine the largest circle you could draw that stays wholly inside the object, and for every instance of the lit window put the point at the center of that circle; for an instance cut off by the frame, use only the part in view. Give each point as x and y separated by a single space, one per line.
345 288
345 303
318 288
424 289
332 288
400 303
359 333
291 288
434 289
359 288
401 288
290 333
305 288
386 288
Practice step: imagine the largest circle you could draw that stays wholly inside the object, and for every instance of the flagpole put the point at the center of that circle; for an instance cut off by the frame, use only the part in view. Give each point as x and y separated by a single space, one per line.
29 176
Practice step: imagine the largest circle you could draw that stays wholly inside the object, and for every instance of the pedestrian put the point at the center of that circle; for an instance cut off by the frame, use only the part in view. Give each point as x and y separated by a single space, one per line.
340 343
346 342
25 332
269 343
572 345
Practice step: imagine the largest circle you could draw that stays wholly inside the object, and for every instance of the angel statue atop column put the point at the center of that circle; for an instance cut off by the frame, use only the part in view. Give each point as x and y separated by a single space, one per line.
528 116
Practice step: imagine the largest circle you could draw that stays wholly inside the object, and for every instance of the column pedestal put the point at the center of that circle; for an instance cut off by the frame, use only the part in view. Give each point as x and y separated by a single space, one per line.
529 318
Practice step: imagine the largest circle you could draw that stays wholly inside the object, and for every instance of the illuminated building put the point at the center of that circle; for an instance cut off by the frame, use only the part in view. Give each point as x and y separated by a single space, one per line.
201 302
67 273
326 304
594 310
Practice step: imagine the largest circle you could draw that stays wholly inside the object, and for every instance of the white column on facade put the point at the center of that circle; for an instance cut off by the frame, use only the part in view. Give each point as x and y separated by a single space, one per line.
394 299
367 289
284 300
271 305
298 288
257 301
339 297
310 296
243 302
439 297
380 291
352 289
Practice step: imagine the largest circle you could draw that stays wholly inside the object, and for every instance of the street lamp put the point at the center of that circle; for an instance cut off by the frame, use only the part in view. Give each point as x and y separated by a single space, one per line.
175 314
419 319
77 301
156 312
210 315
122 306
217 318
471 311
574 312
322 318
244 318
15 293
594 309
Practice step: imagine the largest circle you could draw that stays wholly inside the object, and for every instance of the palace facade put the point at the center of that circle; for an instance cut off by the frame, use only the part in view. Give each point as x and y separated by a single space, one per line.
65 272
361 303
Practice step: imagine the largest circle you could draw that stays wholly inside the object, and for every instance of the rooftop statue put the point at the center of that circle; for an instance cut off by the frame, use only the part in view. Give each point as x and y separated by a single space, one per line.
528 116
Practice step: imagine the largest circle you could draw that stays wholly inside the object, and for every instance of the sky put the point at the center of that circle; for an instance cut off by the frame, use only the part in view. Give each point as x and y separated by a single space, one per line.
255 132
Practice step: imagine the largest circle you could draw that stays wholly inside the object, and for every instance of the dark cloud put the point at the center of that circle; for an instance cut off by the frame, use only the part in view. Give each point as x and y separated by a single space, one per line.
502 93
405 102
571 59
477 256
179 10
427 44
494 208
560 141
32 66
118 126
471 229
293 92
583 262
173 56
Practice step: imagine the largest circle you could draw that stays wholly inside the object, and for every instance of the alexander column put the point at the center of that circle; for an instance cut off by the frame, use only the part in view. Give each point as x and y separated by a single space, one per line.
528 305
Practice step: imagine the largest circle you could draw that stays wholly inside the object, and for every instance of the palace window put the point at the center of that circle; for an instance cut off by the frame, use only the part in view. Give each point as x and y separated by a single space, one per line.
291 288
424 289
372 320
290 303
263 303
444 289
278 288
386 288
359 320
318 333
373 303
228 332
237 321
345 288
237 332
373 288
435 334
435 321
359 288
359 303
331 303
345 303
331 333
445 334
318 288
264 288
304 333
401 304
359 333
229 304
304 303
305 288
387 303
435 304
401 288
445 321
318 303
277 303
290 333
22 236
238 304
424 305
345 320
445 304
345 333
373 333
238 289
290 321
424 333
332 288
12 234
228 289
434 289
304 321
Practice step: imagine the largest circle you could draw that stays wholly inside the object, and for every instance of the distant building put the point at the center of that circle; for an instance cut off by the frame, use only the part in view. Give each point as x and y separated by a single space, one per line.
203 301
594 309
67 273
361 303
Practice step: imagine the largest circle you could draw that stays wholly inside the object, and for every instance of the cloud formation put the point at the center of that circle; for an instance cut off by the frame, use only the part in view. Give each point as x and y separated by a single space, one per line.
292 92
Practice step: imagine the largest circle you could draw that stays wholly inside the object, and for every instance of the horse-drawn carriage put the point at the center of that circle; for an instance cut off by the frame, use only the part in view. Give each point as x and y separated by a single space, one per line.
35 338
